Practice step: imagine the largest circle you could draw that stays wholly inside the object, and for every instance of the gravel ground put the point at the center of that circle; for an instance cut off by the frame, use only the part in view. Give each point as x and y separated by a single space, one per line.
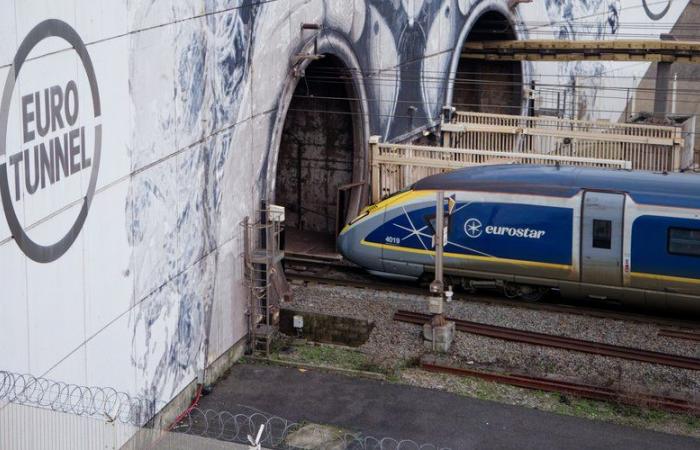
393 344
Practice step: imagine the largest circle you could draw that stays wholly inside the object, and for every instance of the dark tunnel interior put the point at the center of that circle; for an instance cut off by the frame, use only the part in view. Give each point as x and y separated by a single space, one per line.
489 86
318 151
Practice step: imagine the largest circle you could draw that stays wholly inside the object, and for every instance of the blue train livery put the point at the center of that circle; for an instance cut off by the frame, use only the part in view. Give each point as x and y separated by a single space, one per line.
632 237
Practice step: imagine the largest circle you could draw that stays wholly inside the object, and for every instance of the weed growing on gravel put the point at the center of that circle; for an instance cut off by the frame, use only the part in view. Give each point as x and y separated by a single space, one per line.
332 356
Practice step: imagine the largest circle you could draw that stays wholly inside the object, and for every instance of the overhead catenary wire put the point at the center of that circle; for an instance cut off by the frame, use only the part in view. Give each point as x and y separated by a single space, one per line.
485 82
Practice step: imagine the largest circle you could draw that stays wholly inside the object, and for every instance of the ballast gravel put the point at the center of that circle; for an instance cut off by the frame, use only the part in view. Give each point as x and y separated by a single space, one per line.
394 344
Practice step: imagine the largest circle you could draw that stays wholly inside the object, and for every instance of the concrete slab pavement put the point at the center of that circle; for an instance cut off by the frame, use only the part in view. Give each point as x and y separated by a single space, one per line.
383 409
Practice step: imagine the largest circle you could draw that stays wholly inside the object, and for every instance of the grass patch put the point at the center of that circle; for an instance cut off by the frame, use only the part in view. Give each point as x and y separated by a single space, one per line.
331 356
564 404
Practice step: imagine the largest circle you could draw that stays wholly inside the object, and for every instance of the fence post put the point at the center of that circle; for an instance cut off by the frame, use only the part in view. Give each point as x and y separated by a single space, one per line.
676 149
375 182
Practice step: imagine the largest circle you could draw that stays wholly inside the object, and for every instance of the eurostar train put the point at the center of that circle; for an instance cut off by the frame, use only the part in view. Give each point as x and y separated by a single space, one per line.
630 237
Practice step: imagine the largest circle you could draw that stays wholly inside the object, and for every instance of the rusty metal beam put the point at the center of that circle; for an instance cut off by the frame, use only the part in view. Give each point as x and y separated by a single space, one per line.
593 50
562 342
577 389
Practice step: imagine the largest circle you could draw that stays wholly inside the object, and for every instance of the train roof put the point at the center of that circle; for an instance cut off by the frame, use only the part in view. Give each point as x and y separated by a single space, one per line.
665 189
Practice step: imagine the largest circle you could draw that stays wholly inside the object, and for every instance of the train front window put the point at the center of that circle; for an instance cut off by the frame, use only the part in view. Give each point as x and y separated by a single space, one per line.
602 233
684 241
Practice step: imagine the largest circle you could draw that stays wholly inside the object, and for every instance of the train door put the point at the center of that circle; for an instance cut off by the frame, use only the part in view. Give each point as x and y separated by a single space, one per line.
601 238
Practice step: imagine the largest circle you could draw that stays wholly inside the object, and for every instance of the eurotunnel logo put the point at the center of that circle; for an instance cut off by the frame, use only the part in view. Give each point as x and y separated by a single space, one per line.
51 153
473 228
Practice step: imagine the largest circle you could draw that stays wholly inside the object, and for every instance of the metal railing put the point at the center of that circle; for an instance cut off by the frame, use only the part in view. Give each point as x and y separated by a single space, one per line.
647 147
395 166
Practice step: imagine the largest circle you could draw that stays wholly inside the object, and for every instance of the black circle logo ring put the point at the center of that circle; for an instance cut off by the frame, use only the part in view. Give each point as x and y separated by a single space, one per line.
46 29
656 16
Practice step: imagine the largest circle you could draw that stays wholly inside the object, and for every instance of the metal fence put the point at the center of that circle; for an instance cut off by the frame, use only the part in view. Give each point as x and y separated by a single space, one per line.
647 147
42 414
244 424
395 166
39 413
90 401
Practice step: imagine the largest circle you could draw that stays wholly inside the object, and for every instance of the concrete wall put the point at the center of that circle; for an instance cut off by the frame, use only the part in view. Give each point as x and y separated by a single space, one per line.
193 97
688 83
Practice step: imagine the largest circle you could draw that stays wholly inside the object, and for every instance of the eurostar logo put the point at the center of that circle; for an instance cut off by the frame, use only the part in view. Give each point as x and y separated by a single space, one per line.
472 227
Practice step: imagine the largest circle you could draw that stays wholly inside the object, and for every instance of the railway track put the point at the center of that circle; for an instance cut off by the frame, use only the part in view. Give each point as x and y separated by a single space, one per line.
562 342
579 390
680 334
672 327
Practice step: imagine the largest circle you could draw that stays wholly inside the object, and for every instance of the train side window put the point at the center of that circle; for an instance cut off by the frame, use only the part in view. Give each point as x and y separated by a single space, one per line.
602 233
684 241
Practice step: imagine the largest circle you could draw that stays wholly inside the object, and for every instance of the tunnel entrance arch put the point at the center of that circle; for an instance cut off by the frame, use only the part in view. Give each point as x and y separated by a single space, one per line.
319 162
487 86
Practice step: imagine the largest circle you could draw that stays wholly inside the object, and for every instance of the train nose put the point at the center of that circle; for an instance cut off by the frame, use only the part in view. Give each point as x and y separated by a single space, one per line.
343 244
350 245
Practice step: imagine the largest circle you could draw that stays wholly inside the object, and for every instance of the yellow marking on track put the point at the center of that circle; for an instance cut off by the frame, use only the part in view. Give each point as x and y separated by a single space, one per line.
472 257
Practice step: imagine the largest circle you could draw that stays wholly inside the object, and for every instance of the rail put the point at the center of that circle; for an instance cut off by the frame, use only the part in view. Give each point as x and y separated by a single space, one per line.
562 342
681 334
354 277
577 389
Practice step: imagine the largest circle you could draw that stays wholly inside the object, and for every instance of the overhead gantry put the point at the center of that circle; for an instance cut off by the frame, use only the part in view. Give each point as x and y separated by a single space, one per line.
662 52
666 51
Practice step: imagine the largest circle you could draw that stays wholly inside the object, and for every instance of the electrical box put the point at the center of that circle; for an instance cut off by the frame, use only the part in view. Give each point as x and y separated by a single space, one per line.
276 213
298 322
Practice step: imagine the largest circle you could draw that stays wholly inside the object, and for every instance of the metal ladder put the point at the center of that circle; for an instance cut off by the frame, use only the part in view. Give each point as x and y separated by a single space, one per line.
263 275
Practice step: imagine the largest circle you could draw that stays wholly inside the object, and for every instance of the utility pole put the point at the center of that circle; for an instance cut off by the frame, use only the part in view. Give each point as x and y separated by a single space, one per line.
437 287
438 333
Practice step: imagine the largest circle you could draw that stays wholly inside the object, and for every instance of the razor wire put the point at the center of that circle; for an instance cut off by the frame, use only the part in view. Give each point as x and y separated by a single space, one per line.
282 434
236 427
92 401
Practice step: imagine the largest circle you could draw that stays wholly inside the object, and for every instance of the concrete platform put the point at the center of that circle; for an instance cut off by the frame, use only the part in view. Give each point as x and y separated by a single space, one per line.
310 244
382 409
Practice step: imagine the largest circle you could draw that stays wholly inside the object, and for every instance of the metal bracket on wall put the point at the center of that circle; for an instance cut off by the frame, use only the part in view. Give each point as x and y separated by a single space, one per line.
513 3
297 62
299 58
